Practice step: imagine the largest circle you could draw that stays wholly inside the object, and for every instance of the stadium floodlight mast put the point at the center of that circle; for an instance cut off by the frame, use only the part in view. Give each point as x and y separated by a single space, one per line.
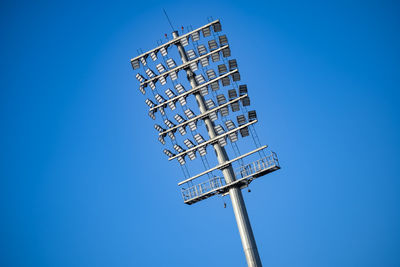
211 111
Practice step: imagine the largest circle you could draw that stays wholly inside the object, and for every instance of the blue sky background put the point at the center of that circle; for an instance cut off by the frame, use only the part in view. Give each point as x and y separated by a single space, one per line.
84 181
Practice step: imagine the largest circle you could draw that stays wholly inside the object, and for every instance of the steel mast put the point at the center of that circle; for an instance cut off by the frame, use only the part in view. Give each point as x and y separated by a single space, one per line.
239 207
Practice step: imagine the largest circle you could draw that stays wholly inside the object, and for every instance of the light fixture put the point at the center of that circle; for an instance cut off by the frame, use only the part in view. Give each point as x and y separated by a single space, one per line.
223 40
153 55
195 36
211 74
212 45
171 63
202 50
191 54
232 64
206 32
206 183
210 105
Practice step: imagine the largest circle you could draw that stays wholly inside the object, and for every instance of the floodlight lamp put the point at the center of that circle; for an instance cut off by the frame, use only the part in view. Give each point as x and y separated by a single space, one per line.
171 63
222 69
193 66
192 126
161 139
173 75
149 103
162 80
160 68
214 86
202 50
151 115
152 85
135 64
168 153
188 143
206 32
162 111
141 88
225 81
191 54
242 89
184 41
235 106
159 98
246 101
252 115
232 94
163 51
211 74
153 56
171 135
189 113
195 36
139 77
212 45
222 141
143 60
236 76
170 93
199 139
182 130
221 99
241 119
217 27
159 128
232 64
204 90
182 101
226 52
244 132
178 148
200 79
179 88
215 57
204 62
179 118
223 40
150 73
172 105
181 160
169 123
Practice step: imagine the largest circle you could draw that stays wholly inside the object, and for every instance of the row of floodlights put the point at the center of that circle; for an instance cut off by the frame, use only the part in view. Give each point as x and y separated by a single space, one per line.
222 134
212 112
181 94
172 69
184 40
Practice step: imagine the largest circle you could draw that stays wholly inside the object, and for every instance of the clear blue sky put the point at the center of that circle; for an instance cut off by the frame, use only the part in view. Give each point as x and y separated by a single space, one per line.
84 182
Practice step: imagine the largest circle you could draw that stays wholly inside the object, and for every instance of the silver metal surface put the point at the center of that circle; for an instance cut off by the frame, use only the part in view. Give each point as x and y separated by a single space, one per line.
239 207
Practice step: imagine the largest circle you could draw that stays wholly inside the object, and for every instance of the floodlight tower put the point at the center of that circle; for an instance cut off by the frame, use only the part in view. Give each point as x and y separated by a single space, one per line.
230 183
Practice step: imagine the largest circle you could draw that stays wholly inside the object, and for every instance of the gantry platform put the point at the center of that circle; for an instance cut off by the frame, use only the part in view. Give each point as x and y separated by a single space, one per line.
244 176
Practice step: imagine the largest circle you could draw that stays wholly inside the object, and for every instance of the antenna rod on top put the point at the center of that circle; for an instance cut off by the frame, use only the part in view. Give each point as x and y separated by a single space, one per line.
165 12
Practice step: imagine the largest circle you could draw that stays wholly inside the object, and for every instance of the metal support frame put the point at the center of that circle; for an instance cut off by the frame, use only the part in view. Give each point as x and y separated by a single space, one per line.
221 166
239 207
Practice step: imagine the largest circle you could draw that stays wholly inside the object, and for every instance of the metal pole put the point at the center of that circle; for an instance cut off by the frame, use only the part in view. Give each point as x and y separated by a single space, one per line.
239 207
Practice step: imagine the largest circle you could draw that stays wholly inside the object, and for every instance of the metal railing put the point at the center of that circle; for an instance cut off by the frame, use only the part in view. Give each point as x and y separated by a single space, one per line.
203 188
211 186
257 166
